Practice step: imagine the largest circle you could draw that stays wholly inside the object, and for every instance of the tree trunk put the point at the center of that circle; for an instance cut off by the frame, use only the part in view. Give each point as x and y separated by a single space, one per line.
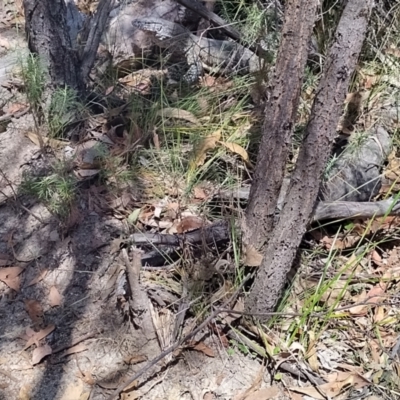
52 28
48 37
279 119
315 150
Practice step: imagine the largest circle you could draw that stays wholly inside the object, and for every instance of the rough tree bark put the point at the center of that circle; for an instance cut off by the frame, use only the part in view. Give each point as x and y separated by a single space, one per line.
52 29
48 36
315 149
279 118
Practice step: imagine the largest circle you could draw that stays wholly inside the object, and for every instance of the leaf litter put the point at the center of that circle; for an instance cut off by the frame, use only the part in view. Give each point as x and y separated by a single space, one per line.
344 285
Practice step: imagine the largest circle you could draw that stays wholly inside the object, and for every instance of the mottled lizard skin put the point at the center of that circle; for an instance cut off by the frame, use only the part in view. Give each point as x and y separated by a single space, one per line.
220 56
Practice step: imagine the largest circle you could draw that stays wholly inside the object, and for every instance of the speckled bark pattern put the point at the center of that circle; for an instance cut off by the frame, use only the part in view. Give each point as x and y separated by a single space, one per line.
303 190
280 113
47 33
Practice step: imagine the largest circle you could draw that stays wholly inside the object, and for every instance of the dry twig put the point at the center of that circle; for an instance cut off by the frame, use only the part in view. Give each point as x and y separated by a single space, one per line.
172 348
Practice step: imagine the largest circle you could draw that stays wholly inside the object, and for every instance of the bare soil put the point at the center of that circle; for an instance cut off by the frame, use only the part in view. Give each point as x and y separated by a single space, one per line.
67 286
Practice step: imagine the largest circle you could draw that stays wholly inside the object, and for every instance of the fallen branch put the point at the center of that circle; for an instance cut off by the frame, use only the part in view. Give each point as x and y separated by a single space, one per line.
335 209
138 300
211 235
219 233
349 209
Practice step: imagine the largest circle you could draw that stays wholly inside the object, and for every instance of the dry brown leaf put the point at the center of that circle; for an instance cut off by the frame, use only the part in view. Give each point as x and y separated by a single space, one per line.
219 379
87 377
38 278
383 224
55 298
264 394
373 296
334 388
10 276
371 80
131 395
16 108
376 351
223 292
189 224
29 333
4 42
34 310
379 314
179 114
200 150
376 258
254 387
139 83
115 245
216 85
311 354
128 389
340 243
295 396
336 292
199 193
73 218
39 336
84 396
39 353
252 257
376 293
358 380
53 143
208 81
203 348
229 318
393 50
109 90
239 150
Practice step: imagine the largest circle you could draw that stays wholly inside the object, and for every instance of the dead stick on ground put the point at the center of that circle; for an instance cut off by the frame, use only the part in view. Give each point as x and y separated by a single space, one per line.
76 341
172 348
133 272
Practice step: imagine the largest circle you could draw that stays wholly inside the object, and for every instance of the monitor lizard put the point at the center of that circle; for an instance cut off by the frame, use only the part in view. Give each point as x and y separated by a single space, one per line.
201 53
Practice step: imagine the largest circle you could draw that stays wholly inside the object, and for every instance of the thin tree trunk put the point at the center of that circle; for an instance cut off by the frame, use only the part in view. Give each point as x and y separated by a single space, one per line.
52 27
91 36
48 37
315 150
279 119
